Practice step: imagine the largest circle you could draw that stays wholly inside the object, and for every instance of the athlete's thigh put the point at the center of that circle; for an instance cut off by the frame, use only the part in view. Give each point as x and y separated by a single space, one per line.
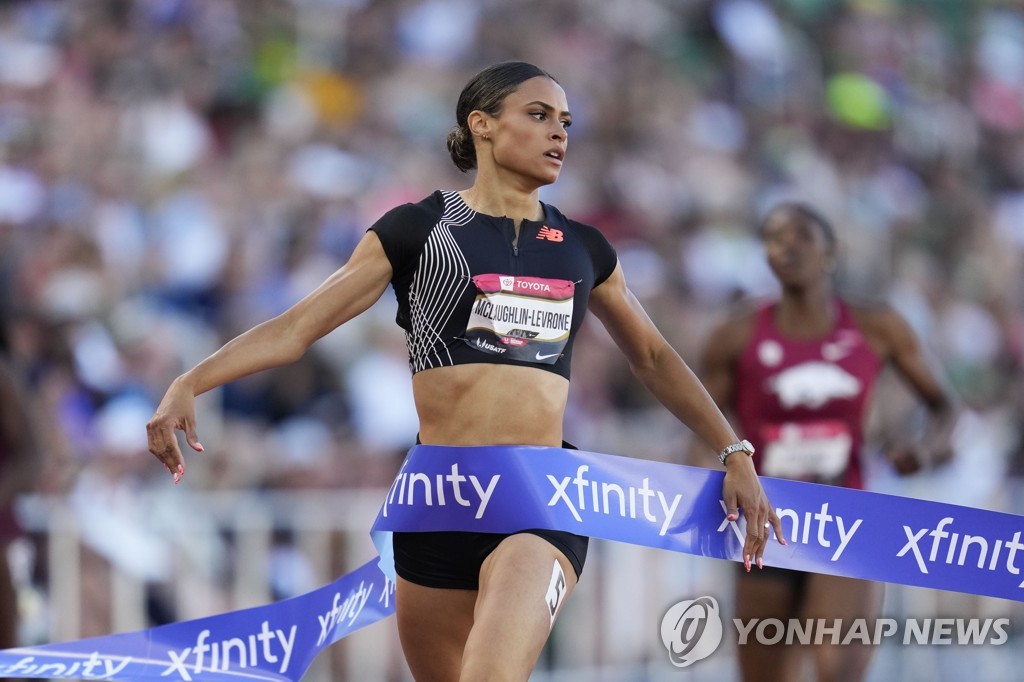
761 595
523 585
433 625
848 599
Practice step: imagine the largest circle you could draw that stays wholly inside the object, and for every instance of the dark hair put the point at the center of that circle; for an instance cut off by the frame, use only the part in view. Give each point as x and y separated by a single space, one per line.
485 92
805 211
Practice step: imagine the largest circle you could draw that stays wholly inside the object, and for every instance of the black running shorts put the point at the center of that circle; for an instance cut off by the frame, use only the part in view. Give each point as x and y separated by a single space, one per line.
452 559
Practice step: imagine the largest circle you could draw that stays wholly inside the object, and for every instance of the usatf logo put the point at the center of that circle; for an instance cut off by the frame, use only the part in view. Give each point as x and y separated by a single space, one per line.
550 234
691 630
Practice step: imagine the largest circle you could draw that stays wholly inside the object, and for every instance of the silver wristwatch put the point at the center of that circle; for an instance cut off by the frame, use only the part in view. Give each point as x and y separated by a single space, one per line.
743 445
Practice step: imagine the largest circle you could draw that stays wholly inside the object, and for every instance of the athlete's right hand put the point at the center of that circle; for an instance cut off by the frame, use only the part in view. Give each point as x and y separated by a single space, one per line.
176 411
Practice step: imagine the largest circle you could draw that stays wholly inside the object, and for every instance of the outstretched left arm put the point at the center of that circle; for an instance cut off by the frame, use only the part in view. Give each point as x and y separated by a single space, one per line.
660 368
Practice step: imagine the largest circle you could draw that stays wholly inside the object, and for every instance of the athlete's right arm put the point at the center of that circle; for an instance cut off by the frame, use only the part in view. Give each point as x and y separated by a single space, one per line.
278 341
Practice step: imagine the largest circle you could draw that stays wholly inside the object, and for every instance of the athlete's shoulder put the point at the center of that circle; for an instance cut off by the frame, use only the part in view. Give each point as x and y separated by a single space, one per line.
405 229
870 313
587 231
602 253
862 304
884 326
423 213
736 328
745 311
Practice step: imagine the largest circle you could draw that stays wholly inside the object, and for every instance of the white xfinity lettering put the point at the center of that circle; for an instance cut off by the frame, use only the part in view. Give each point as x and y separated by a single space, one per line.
612 498
801 527
343 610
94 666
433 490
235 653
987 550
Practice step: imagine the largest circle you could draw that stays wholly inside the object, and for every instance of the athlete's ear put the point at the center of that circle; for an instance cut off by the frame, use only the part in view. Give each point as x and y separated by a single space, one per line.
480 124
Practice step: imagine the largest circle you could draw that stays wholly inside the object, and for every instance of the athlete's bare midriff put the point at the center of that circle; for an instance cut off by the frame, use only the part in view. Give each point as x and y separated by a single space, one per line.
485 404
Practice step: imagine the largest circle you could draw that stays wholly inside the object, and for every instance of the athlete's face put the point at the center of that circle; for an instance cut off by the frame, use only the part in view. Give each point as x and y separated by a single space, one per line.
529 136
798 251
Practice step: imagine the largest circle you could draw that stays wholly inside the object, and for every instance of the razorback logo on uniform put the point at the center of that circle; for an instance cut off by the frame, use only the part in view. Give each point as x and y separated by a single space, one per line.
550 234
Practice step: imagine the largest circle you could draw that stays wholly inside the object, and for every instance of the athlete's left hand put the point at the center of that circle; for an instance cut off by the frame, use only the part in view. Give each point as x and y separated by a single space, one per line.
742 490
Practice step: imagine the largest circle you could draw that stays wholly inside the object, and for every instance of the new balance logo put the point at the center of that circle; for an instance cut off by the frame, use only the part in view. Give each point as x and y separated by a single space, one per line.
549 234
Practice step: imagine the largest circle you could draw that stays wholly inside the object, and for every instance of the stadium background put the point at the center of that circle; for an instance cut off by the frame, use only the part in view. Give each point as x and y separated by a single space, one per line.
175 171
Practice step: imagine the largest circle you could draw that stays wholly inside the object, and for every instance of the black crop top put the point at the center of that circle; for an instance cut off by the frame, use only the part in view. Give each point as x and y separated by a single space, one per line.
467 295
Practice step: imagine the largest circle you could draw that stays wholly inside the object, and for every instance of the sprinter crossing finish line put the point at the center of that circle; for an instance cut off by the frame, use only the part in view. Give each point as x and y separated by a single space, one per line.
504 489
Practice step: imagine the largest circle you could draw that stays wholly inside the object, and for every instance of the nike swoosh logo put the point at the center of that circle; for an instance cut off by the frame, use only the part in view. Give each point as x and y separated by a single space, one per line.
545 357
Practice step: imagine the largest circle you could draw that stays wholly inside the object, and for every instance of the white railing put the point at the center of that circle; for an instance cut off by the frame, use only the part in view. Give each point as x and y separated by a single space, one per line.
107 559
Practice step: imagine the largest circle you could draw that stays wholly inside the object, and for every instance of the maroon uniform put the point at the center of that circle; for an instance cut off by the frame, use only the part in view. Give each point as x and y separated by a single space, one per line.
801 401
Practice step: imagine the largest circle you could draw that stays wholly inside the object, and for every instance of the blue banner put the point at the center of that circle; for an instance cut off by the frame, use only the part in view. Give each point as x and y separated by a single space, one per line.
273 642
831 530
505 489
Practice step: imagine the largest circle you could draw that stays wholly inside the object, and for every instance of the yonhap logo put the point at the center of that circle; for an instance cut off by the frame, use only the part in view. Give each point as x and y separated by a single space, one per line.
691 630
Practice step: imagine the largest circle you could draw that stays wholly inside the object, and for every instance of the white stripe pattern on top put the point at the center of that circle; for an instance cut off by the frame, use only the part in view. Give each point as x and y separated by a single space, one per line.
442 274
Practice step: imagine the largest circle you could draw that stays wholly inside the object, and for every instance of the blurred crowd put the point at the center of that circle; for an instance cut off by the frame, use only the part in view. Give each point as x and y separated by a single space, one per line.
174 171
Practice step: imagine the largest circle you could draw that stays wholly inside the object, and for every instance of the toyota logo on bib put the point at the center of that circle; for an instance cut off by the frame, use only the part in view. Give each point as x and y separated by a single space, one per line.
691 630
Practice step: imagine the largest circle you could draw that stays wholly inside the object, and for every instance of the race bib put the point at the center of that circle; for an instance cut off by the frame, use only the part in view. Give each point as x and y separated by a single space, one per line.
814 451
522 318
